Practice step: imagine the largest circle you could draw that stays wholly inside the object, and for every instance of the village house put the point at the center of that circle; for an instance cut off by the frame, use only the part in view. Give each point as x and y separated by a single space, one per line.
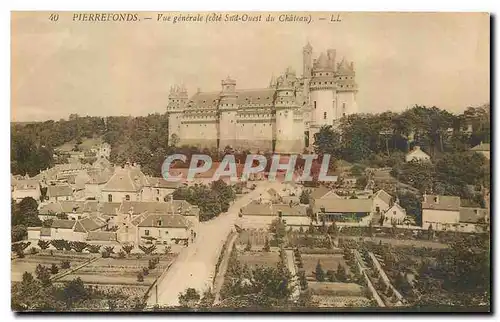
59 193
165 229
161 189
417 155
474 220
395 215
358 211
270 195
97 180
23 188
382 201
126 184
260 215
442 212
482 148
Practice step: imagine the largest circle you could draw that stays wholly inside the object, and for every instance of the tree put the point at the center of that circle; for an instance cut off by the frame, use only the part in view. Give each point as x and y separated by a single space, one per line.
127 248
18 233
78 246
74 291
304 197
248 247
19 247
43 275
341 273
320 274
43 244
54 269
109 249
266 247
331 276
189 298
94 249
65 264
327 141
61 244
140 277
147 249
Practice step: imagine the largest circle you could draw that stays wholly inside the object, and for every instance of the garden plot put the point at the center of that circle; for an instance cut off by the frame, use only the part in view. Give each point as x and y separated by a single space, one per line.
336 289
328 262
45 258
254 259
340 301
120 271
256 237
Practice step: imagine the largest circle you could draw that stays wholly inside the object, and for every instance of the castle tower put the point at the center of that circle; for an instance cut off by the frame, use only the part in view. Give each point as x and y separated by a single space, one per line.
323 102
177 100
346 88
287 111
307 60
228 109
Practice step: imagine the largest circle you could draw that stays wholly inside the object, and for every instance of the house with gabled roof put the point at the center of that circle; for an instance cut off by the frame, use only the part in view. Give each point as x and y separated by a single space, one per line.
440 212
59 192
165 229
261 215
382 201
417 155
126 184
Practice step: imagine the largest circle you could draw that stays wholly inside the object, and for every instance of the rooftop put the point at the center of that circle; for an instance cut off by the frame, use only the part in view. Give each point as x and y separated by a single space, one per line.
436 202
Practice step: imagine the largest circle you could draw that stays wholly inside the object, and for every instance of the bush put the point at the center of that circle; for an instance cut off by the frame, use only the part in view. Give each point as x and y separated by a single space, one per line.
122 254
127 248
330 275
43 244
78 246
147 249
145 271
140 277
65 264
109 249
320 274
33 251
54 269
267 246
167 250
61 244
105 254
94 249
248 247
152 264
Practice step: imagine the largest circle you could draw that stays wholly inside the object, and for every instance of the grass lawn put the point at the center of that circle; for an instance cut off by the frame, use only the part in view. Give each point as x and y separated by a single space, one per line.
253 259
328 262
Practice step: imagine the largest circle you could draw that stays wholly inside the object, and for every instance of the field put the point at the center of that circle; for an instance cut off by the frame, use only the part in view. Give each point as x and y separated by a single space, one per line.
119 271
253 259
340 301
256 237
328 262
103 273
337 289
29 263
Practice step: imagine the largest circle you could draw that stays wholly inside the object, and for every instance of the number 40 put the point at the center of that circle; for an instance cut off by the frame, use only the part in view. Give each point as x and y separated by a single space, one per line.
54 17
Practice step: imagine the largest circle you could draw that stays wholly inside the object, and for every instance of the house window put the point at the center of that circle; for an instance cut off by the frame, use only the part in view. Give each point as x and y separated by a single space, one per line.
157 199
394 212
324 116
127 197
157 191
377 209
110 198
146 232
314 104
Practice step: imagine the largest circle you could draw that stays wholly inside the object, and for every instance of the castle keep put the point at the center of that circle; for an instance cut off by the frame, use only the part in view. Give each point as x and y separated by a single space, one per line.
282 117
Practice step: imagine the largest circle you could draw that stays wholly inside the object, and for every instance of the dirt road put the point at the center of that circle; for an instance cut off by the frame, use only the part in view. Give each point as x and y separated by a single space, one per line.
195 266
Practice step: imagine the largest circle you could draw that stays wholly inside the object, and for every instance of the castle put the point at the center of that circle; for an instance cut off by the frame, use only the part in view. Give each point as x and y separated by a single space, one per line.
282 117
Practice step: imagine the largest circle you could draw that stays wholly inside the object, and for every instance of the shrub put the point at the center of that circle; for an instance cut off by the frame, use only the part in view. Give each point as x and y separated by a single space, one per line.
145 271
109 249
267 246
320 274
140 277
105 254
78 246
65 264
168 249
60 244
122 254
33 251
248 247
54 269
330 275
94 249
152 264
43 244
127 248
147 249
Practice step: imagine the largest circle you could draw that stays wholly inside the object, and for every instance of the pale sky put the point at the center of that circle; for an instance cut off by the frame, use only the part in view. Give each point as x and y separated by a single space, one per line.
110 68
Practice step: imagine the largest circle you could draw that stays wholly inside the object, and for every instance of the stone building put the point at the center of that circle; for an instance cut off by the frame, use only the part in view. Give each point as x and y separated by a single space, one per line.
282 117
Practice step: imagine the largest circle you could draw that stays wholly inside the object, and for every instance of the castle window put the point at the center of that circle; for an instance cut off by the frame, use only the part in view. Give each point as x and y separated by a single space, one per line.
314 104
110 198
127 197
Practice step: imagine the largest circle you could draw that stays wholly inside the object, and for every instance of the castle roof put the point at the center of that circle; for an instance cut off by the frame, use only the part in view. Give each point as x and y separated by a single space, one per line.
344 68
321 62
263 96
206 100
